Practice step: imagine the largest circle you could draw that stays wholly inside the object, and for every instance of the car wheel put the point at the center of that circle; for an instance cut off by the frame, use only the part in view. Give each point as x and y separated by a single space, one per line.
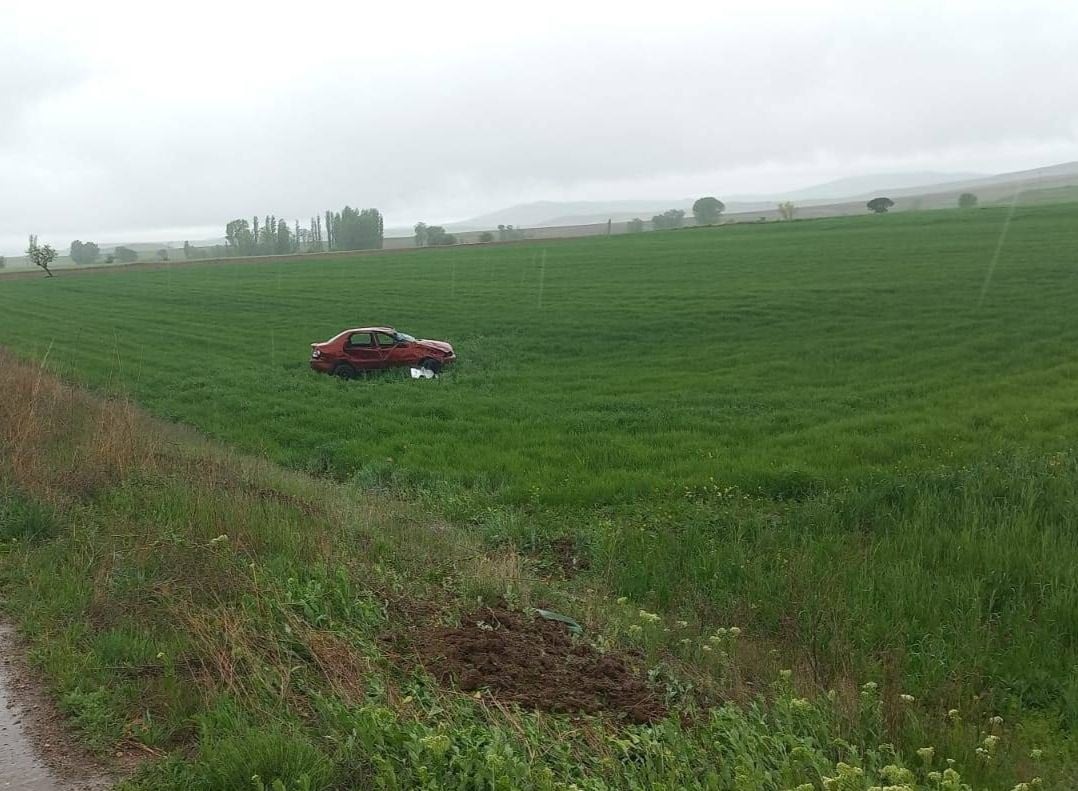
344 371
432 365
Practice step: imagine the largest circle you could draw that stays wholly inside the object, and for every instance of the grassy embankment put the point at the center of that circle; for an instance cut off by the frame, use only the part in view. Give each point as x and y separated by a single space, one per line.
830 432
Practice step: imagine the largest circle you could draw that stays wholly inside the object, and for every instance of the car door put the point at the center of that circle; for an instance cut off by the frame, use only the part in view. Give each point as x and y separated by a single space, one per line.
391 351
362 352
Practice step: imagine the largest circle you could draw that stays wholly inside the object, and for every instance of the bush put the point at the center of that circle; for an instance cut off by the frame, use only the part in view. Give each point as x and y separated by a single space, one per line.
125 255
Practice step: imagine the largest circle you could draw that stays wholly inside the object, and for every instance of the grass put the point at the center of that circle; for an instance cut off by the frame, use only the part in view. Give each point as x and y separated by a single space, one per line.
263 658
852 437
782 358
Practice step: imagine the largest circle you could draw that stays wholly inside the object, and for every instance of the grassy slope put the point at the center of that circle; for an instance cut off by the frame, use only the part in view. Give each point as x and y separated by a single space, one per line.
259 658
818 429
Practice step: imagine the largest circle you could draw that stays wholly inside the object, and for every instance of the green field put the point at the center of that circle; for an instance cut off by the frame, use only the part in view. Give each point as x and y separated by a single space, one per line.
854 436
782 357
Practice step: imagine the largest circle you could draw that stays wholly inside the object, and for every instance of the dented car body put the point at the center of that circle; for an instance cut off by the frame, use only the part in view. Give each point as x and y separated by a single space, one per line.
374 348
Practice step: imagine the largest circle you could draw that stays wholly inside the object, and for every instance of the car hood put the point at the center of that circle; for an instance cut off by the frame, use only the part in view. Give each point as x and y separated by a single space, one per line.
441 346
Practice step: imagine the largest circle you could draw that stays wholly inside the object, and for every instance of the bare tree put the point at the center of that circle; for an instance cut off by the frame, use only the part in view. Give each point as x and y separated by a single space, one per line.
786 210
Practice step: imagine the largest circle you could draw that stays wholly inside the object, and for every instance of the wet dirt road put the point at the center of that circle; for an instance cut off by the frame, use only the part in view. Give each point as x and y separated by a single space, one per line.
24 734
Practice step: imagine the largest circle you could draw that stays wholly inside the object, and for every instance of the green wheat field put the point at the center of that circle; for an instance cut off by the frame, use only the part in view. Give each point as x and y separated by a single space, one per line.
855 437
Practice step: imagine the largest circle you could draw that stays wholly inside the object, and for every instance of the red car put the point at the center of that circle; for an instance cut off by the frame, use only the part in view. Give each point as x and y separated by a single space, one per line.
373 348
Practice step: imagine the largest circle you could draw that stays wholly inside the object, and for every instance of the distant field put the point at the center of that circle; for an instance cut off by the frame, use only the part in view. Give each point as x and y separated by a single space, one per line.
849 432
1044 195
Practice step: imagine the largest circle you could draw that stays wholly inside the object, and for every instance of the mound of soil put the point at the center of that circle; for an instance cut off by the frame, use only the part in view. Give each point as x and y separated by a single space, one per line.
535 663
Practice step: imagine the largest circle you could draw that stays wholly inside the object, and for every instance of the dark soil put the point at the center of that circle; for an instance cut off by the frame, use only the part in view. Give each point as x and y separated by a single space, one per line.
536 663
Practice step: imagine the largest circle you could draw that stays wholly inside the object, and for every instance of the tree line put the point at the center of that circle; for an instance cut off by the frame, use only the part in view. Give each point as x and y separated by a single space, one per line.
706 211
363 229
347 229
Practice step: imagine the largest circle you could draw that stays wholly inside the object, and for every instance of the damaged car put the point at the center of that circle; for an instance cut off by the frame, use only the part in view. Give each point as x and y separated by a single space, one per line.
355 351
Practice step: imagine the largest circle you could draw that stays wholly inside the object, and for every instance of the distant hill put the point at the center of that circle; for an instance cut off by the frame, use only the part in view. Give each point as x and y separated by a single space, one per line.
860 185
1063 174
545 214
924 190
548 213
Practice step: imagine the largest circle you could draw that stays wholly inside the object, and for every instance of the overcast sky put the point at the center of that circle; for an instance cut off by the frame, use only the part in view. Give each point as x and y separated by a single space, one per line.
143 121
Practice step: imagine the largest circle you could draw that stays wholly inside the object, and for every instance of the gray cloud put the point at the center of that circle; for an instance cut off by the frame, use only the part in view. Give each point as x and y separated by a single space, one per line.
437 115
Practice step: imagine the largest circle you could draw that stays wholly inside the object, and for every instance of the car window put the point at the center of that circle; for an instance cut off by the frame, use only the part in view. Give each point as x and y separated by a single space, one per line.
384 339
360 339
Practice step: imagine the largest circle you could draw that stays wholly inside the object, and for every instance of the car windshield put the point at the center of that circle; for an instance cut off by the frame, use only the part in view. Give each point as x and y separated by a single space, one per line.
403 337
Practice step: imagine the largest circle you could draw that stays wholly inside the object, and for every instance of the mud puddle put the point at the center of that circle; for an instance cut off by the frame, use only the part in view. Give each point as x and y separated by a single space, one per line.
35 753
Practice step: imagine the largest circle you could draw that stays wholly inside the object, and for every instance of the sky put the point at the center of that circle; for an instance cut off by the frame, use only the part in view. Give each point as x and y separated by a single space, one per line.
143 121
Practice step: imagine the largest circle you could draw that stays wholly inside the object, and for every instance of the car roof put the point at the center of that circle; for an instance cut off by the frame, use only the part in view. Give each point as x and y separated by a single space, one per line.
390 330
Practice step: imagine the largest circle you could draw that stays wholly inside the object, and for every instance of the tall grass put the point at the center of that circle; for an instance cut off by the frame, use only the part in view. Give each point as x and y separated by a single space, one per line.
962 581
260 658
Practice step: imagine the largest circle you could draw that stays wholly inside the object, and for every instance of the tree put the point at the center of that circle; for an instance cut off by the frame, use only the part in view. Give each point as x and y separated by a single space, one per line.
706 211
507 233
486 236
84 253
967 200
188 251
786 210
357 230
239 237
437 237
674 218
3 262
420 234
283 240
636 225
162 254
125 255
880 205
40 256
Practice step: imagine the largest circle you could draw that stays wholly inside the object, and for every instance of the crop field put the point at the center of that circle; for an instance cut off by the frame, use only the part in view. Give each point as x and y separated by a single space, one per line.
780 358
854 437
